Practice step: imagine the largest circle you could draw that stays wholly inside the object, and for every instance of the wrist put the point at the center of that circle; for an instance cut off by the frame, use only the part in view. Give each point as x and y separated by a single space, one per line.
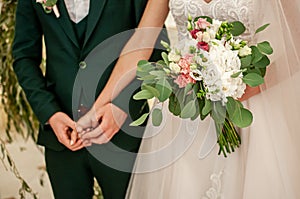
52 118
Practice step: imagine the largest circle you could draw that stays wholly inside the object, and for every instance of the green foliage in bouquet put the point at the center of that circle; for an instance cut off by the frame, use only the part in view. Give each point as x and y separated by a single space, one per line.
181 78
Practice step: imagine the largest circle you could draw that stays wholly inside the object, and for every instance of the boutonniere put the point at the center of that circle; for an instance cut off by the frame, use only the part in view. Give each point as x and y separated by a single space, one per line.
49 6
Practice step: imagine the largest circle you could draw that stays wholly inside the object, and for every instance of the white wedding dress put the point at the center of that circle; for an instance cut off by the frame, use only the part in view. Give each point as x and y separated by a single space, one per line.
179 159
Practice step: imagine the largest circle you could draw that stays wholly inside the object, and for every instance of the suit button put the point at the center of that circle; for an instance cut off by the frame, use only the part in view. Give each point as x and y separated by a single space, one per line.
82 64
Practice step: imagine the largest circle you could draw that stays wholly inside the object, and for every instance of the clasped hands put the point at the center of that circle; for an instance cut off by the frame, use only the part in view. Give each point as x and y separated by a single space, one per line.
98 126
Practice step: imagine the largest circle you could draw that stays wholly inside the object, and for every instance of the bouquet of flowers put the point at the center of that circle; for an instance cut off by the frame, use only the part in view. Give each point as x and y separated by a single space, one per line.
207 77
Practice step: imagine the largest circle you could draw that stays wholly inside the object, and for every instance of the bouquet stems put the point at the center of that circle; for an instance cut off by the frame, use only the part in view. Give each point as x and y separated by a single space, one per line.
228 137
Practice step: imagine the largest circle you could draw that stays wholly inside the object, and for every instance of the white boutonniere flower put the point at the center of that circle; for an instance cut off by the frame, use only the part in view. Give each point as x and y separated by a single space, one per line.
49 6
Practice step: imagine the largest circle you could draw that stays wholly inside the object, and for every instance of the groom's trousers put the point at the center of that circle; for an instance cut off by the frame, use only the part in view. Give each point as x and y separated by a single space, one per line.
82 166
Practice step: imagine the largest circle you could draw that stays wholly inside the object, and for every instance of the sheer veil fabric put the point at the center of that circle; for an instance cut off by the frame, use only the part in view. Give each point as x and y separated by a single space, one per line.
266 165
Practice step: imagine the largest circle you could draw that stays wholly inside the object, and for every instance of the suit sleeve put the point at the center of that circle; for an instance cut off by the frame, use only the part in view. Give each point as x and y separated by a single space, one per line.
27 53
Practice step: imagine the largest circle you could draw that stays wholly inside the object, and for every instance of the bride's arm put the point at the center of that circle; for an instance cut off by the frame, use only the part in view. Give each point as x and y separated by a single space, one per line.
124 71
112 117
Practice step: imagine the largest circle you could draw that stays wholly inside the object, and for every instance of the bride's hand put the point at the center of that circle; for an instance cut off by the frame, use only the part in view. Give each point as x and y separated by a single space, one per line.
108 120
249 92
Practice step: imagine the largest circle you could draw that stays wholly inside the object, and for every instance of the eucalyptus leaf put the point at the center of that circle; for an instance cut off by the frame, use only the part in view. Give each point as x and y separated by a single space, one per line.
164 55
143 94
141 74
153 90
144 66
261 28
188 88
263 71
253 79
157 117
218 112
164 88
139 121
263 63
207 107
174 105
242 118
246 61
147 77
201 104
265 47
238 28
161 63
254 70
142 63
232 106
188 110
235 75
256 54
165 45
158 73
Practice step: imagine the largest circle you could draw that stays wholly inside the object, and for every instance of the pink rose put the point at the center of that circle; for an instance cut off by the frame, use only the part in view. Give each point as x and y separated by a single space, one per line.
189 58
194 33
202 23
203 45
184 63
182 80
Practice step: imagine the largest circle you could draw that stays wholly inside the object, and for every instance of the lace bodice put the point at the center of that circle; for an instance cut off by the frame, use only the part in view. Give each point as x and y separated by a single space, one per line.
230 10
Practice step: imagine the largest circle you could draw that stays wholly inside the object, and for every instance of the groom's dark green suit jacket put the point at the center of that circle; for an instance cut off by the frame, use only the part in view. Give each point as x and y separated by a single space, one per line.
52 92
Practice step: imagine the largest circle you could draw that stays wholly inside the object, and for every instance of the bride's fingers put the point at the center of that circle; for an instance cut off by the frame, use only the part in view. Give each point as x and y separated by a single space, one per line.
102 139
87 143
92 134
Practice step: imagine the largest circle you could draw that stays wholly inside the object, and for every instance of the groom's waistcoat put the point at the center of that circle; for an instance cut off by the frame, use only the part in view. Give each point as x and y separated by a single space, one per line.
65 53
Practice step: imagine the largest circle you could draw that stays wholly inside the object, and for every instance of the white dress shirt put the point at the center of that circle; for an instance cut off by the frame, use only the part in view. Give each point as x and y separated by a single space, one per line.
77 9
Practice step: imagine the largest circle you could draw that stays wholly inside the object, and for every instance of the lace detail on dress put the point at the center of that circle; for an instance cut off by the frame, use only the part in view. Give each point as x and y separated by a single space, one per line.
230 10
214 192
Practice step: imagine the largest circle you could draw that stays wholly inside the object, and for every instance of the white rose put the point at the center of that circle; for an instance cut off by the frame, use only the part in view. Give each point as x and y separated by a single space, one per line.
206 37
173 57
212 77
175 68
245 51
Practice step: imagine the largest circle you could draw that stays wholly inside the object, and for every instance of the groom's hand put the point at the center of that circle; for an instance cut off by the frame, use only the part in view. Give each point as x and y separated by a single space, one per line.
64 129
109 117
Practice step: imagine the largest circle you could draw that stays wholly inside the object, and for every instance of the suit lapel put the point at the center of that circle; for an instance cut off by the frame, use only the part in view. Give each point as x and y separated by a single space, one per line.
65 22
96 9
